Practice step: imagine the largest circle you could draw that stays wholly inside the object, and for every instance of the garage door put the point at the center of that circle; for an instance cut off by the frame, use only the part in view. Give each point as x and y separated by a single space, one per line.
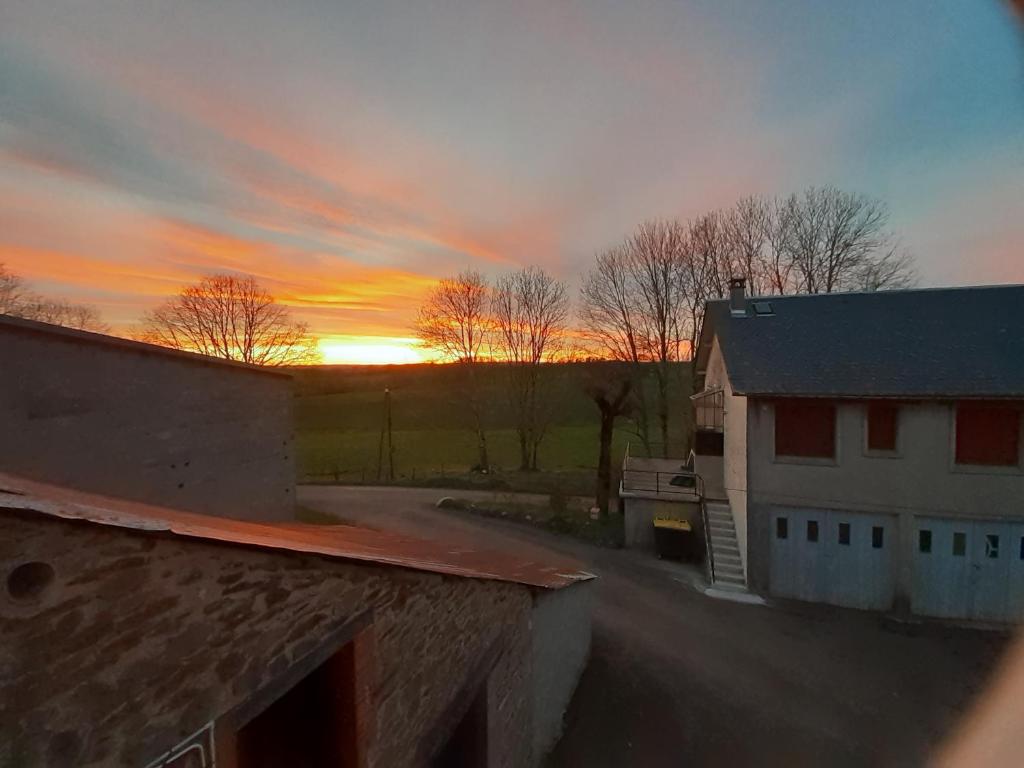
969 569
828 556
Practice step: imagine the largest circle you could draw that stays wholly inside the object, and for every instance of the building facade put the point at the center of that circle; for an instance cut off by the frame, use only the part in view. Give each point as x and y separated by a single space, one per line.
871 451
137 421
141 636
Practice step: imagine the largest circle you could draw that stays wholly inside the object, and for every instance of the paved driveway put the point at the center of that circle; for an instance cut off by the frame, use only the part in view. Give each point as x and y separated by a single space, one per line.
677 678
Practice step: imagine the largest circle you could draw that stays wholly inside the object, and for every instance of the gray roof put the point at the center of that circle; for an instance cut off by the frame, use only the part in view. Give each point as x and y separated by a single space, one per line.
933 343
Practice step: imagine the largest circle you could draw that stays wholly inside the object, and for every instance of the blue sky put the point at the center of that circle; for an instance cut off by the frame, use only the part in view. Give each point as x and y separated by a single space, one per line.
349 153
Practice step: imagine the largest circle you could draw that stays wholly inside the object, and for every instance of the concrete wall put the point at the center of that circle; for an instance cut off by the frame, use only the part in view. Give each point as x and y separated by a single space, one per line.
921 479
142 639
130 420
639 513
734 454
560 650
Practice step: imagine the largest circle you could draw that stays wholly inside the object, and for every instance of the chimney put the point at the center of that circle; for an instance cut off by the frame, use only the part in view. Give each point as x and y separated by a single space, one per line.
738 295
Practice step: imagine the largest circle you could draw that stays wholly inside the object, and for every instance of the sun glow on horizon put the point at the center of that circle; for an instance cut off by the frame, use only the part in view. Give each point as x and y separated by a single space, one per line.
371 350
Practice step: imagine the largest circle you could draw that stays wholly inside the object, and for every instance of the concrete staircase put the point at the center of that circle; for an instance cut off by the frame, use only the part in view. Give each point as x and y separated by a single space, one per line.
725 547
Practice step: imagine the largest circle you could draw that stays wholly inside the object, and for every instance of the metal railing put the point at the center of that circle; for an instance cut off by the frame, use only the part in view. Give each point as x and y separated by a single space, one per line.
707 537
679 484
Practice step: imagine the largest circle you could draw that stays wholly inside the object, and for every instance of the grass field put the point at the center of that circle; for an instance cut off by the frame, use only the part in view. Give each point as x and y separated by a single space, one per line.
340 414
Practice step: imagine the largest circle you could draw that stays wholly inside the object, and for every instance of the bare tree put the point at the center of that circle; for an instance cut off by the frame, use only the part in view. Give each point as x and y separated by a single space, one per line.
530 310
12 291
454 321
233 318
748 233
634 304
611 395
708 266
839 241
17 300
820 241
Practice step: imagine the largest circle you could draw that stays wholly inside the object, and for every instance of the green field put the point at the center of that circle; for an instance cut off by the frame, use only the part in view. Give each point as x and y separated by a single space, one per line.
340 415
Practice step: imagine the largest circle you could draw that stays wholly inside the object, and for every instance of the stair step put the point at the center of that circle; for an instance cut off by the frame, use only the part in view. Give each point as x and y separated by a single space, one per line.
725 539
716 526
726 551
726 578
728 567
727 558
740 589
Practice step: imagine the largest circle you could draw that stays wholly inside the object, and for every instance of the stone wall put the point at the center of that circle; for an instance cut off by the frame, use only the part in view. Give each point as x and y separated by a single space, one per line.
131 420
143 638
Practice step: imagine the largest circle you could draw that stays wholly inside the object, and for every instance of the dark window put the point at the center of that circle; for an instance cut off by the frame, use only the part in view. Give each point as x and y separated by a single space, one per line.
991 545
987 434
883 424
924 541
781 528
877 536
959 544
812 530
805 428
844 534
707 443
1022 547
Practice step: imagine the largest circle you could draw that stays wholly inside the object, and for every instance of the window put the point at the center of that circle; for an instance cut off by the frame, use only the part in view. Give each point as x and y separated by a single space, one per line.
844 534
987 434
1022 547
812 530
805 428
924 541
877 537
959 544
991 546
882 426
781 528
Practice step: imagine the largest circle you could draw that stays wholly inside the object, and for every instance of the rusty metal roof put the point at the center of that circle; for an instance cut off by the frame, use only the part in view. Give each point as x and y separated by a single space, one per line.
343 542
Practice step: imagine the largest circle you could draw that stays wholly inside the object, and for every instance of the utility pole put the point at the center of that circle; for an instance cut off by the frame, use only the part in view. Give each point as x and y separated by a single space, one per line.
391 442
385 435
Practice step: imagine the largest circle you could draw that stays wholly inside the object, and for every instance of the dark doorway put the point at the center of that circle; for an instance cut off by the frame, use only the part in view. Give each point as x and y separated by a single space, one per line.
313 725
467 746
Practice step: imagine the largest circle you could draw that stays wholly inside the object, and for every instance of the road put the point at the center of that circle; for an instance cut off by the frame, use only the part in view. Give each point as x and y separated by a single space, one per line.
678 678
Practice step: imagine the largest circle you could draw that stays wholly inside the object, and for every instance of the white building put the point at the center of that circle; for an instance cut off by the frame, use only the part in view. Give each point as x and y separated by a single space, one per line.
868 446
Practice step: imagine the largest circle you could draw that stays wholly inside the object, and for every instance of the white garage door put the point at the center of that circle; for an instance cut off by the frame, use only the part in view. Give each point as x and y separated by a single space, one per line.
828 556
969 569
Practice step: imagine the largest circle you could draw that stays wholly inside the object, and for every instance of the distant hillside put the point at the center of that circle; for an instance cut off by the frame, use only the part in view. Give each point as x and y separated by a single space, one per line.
339 415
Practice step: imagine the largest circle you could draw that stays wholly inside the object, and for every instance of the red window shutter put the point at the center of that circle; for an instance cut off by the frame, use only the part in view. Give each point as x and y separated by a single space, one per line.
987 434
805 428
883 423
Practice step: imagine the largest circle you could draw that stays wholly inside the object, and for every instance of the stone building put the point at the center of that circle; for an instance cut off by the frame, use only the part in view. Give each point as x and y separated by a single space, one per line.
134 635
160 608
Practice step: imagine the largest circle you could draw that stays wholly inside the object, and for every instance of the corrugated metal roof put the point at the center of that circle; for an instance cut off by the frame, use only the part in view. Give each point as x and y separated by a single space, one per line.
338 541
931 343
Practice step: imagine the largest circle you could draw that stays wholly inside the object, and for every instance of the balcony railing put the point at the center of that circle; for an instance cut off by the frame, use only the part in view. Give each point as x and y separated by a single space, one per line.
681 485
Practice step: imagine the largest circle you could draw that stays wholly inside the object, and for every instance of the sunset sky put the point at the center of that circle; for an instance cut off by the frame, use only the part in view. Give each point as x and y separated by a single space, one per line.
347 153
